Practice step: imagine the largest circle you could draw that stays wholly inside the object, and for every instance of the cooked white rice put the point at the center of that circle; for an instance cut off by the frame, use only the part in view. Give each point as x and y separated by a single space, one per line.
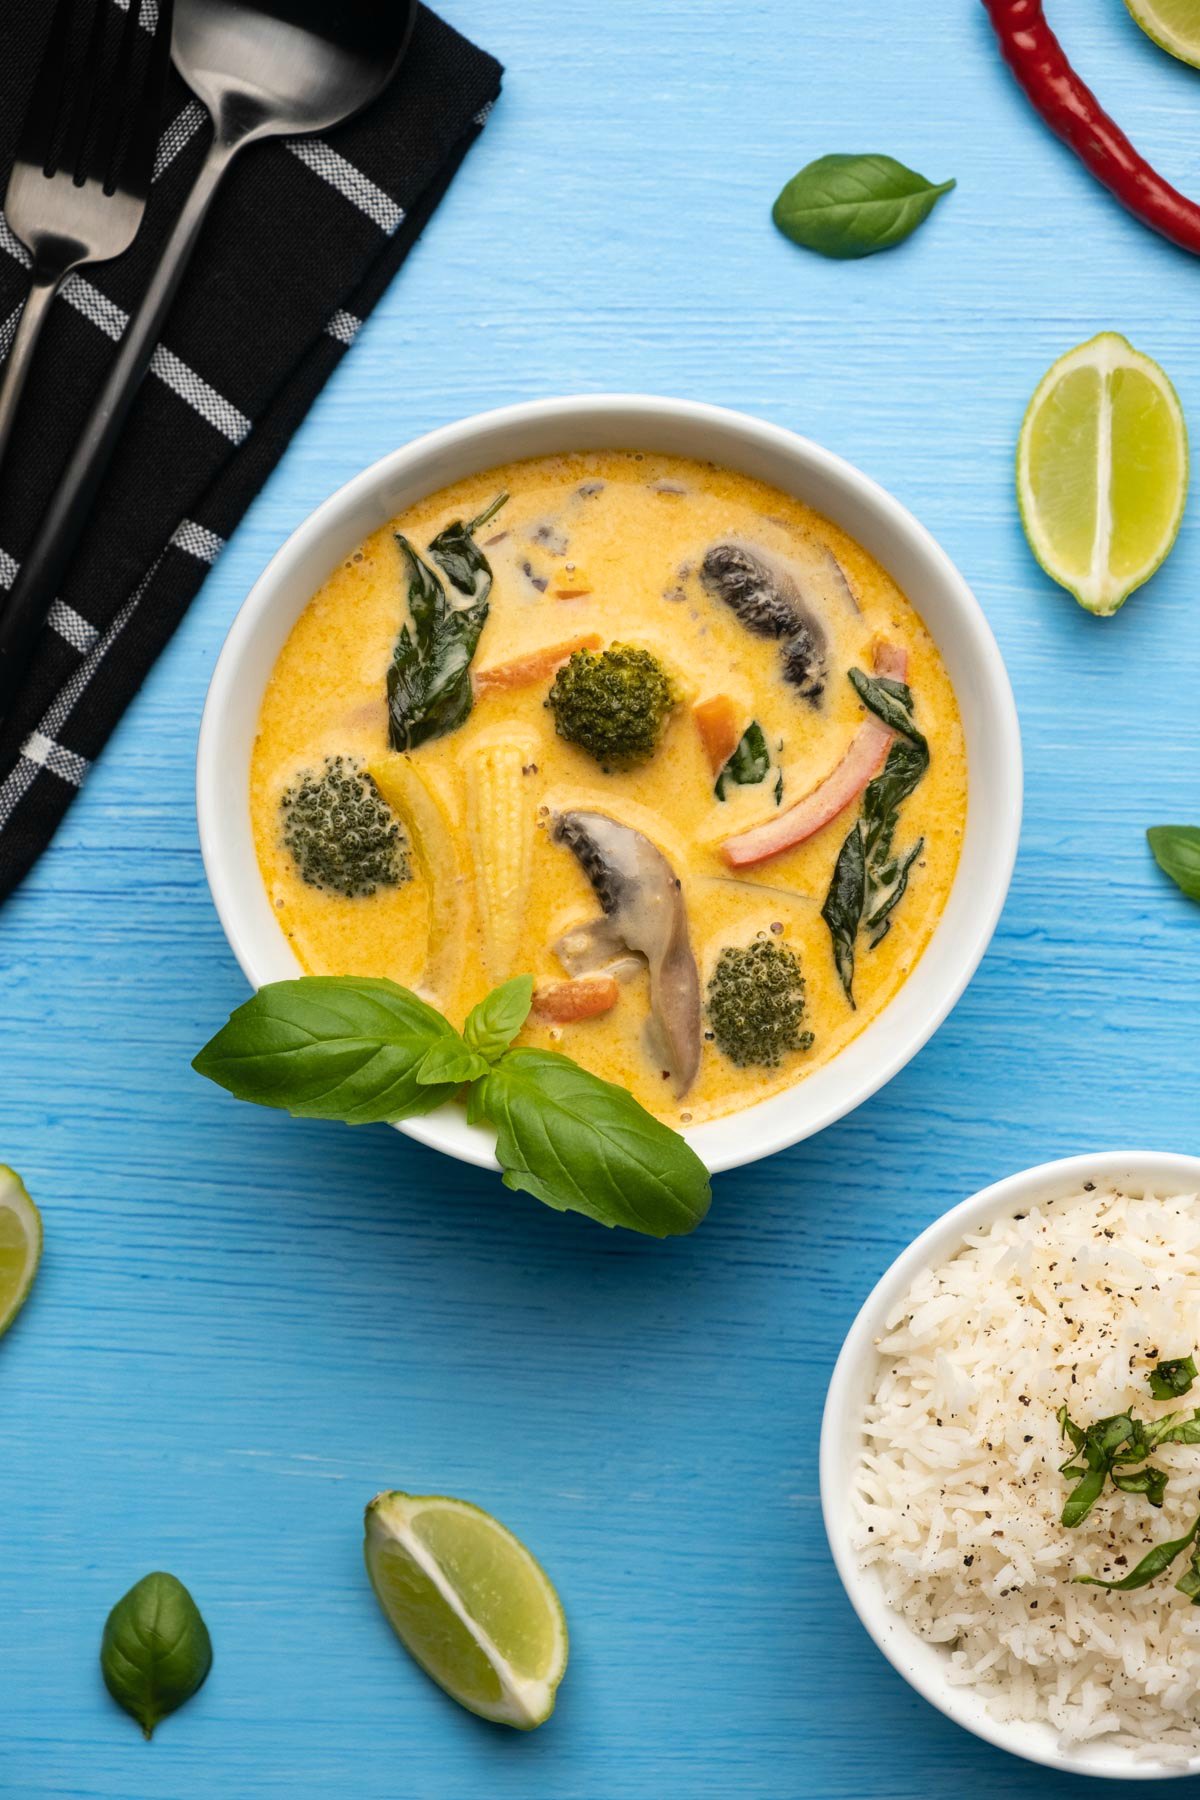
958 1495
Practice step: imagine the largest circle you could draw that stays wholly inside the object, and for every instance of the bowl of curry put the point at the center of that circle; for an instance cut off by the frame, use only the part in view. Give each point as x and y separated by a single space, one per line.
665 706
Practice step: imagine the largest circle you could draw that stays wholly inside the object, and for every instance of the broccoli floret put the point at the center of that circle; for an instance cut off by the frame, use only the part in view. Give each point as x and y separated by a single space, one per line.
756 1003
343 835
613 705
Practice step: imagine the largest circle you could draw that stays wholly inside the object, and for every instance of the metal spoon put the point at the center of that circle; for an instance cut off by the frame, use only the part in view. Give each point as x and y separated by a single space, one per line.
263 68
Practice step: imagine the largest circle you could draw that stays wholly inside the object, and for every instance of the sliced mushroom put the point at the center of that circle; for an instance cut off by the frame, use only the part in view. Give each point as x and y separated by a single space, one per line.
644 913
841 582
766 597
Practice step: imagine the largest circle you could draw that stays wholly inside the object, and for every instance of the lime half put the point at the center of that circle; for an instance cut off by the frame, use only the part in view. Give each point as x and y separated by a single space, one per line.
469 1602
1173 24
1102 471
20 1245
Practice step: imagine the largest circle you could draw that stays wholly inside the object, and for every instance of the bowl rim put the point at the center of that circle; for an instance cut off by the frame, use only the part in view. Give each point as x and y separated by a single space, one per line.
888 1631
751 1139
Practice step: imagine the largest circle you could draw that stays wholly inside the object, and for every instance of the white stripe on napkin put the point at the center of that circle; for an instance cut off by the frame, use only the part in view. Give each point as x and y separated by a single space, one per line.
344 326
195 539
42 749
179 132
350 182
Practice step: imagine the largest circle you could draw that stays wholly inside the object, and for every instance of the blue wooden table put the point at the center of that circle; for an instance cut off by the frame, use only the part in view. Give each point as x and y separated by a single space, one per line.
244 1326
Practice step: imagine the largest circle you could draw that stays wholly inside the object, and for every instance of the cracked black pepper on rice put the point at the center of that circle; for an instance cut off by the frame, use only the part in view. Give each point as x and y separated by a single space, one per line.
1064 1311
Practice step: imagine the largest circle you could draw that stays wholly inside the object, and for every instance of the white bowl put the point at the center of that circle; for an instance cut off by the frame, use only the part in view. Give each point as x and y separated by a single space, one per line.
632 421
922 1664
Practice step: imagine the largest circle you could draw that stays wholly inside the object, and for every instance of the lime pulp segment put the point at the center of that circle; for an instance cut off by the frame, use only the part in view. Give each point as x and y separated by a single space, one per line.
1102 471
1173 24
469 1603
20 1245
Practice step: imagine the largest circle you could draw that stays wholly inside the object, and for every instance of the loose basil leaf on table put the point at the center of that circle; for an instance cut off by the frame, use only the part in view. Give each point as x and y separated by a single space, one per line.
156 1651
346 1047
583 1145
429 679
1176 850
851 206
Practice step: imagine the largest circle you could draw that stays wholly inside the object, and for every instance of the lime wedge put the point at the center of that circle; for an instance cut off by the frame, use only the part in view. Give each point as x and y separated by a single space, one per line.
1173 24
1102 471
469 1602
20 1245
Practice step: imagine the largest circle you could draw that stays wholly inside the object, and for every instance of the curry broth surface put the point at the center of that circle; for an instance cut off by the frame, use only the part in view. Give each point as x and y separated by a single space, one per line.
622 526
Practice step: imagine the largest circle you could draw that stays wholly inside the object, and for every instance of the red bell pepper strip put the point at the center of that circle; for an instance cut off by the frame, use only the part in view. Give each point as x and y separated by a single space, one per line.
1070 108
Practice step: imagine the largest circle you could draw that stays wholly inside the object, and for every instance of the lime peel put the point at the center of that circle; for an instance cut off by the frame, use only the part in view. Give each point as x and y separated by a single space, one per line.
20 1245
433 1604
1102 471
1174 25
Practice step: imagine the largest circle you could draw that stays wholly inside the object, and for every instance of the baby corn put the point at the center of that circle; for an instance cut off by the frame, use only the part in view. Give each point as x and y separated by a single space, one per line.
500 820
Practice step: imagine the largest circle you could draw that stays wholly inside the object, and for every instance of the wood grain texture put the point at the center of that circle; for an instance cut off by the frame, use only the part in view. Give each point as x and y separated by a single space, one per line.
244 1326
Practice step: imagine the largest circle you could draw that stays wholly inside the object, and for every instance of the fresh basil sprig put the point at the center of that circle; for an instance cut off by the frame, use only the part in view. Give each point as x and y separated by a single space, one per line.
346 1047
364 1050
851 206
156 1651
1172 1379
585 1145
1176 850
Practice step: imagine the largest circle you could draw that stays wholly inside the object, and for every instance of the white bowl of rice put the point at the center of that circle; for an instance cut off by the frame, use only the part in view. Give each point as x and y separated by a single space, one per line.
942 1454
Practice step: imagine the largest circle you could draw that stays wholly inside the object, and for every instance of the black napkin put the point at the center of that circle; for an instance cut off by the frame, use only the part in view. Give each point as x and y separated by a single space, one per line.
299 246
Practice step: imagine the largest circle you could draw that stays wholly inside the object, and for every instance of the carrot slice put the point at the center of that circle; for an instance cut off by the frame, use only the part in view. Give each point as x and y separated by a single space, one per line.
717 722
566 1001
860 764
539 665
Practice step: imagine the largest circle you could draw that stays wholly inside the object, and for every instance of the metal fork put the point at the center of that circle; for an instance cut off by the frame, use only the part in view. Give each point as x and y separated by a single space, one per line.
78 186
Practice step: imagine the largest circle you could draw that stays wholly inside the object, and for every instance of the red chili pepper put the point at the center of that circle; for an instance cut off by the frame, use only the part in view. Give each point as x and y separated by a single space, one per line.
1070 108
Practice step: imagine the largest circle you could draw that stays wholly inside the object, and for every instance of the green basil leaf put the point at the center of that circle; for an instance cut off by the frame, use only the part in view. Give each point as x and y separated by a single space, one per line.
890 701
1177 852
1069 1429
1179 1430
850 206
1189 1581
1082 1498
581 1144
749 763
1149 1481
1098 1445
1152 1565
868 881
331 1047
1172 1379
429 679
156 1651
494 1023
451 1063
843 908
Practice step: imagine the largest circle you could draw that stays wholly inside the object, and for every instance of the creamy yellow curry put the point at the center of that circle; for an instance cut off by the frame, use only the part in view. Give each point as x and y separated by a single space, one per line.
652 732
